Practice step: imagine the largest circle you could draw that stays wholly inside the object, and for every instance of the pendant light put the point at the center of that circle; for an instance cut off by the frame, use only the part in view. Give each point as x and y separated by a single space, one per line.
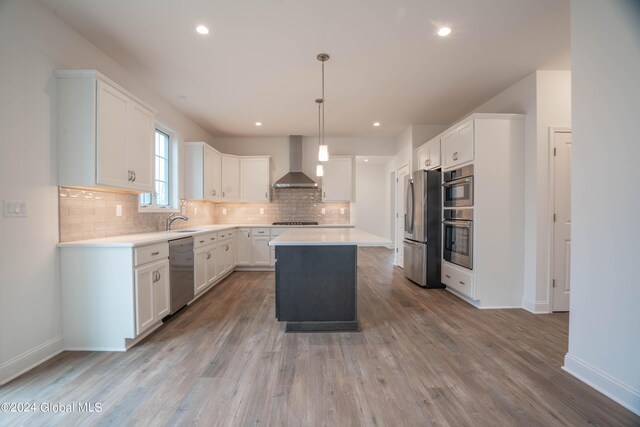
319 168
323 149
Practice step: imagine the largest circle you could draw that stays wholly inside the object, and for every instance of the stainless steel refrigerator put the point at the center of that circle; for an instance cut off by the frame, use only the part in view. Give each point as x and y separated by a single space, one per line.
423 228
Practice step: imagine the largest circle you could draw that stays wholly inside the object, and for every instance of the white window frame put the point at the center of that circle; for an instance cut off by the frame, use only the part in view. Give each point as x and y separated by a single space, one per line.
173 175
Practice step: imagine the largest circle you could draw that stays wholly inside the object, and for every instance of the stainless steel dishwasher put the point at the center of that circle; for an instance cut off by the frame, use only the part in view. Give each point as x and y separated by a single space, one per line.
181 272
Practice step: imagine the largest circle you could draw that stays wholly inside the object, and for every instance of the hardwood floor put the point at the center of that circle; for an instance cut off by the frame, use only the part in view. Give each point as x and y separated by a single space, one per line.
423 358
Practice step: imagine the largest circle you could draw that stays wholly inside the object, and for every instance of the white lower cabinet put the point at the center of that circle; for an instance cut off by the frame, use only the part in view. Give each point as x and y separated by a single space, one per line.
151 294
205 267
261 253
226 253
458 279
243 241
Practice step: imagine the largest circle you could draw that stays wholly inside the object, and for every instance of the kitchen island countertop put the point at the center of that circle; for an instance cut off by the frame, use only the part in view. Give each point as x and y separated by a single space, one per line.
328 237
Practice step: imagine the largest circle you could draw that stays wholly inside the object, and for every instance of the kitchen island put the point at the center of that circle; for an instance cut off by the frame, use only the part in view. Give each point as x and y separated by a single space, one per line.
316 278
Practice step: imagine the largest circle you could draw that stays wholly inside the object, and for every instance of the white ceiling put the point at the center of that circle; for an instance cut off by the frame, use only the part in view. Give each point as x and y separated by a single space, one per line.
387 65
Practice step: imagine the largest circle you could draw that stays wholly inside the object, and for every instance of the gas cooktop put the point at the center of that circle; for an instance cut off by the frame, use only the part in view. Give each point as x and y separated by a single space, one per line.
296 223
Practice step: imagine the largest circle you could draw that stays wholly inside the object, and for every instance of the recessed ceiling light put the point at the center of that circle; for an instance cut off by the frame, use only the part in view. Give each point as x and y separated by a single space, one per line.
258 123
376 124
444 31
366 160
202 29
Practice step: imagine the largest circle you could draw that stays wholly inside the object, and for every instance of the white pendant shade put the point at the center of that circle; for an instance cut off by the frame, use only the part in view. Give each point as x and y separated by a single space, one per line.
323 153
319 170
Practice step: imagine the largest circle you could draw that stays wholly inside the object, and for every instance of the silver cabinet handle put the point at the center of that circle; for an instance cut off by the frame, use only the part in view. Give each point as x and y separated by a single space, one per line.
455 155
213 192
426 162
213 238
201 241
226 248
461 282
324 194
133 176
155 277
265 195
208 255
130 176
223 194
159 276
447 276
155 253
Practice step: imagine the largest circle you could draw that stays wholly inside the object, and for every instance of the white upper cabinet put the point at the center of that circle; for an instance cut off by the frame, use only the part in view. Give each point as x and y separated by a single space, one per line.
457 145
429 154
254 179
203 172
230 178
105 135
337 181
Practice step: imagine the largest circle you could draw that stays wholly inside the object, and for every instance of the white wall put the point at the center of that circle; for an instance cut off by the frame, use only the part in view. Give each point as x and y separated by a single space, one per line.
545 98
33 42
604 339
371 198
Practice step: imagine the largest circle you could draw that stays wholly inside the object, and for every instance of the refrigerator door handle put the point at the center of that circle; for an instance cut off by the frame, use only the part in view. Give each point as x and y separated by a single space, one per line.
408 221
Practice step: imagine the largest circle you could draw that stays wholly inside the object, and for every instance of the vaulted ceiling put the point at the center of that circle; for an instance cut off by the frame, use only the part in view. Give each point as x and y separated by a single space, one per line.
258 63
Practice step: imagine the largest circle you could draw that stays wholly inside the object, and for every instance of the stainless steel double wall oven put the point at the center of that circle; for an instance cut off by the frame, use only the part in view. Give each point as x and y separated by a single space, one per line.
457 241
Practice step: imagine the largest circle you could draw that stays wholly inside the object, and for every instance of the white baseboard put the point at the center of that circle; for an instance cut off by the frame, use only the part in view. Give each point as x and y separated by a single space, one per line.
26 361
604 383
536 307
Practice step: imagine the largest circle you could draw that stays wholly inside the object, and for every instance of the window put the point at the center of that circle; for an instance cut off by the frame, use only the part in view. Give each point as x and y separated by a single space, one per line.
162 198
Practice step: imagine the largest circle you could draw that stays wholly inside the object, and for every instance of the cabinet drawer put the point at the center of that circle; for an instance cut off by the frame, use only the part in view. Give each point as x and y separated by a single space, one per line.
225 234
155 252
204 239
456 279
261 231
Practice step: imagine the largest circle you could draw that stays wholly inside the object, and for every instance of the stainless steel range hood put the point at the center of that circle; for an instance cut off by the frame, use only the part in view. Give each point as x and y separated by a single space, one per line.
295 178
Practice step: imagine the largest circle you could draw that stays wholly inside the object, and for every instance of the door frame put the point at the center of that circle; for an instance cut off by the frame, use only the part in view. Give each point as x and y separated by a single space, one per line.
399 246
553 130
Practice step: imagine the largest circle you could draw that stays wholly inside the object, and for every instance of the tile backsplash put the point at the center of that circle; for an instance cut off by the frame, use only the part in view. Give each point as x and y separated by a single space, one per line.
89 214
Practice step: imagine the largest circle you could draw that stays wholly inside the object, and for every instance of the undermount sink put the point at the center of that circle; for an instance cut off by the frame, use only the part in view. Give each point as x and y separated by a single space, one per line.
191 230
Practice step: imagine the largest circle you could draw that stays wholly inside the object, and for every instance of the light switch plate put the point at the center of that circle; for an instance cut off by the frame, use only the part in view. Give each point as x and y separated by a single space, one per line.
261 211
323 211
341 211
14 208
118 210
224 211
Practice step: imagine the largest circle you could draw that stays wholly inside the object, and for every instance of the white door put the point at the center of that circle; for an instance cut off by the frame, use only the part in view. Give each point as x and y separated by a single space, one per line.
200 269
449 146
400 212
216 174
562 221
112 137
211 260
161 292
336 182
254 179
244 246
261 251
465 143
230 178
140 141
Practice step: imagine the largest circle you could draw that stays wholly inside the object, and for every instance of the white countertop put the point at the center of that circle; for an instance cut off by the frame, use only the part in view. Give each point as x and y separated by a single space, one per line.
328 237
134 240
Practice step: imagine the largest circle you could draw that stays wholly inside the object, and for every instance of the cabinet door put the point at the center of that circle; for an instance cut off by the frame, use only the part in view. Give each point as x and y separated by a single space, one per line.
261 253
211 270
231 254
216 175
254 179
111 136
208 173
434 153
423 157
465 143
224 252
243 236
450 148
161 292
230 178
337 180
145 278
200 269
140 143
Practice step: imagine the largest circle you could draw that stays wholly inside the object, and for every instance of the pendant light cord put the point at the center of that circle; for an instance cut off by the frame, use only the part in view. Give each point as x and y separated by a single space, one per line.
323 143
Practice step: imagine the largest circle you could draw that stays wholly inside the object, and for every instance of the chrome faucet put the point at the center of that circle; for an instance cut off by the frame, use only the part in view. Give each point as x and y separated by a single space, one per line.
172 218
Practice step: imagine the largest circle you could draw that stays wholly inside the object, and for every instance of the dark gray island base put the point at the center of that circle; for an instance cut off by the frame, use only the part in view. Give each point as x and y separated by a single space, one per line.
316 287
